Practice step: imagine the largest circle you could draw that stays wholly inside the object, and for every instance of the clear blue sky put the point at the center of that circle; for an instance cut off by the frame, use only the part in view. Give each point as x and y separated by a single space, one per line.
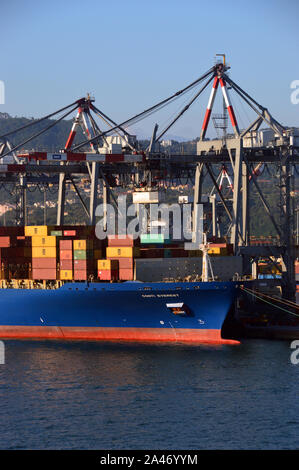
130 54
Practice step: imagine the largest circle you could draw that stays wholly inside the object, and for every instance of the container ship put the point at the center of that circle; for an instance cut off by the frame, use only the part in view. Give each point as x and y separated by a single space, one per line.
64 283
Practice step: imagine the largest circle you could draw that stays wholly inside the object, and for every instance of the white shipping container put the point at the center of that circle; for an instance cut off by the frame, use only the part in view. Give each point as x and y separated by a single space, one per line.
146 197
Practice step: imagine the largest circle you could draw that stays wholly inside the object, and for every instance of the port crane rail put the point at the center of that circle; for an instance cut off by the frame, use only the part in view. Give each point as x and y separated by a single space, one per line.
106 154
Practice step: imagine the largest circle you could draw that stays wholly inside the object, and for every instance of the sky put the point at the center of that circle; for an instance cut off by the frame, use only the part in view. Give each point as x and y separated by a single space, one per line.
131 54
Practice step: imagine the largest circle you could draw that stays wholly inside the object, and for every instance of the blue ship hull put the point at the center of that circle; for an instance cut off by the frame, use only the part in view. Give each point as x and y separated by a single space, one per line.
192 312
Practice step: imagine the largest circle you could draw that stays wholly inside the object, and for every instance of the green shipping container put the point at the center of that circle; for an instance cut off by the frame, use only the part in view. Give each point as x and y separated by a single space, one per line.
56 233
152 238
83 254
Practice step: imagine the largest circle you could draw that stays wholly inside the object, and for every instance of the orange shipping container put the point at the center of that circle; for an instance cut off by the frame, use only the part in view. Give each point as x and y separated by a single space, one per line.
108 275
44 274
66 244
66 264
66 254
4 242
122 240
126 274
43 263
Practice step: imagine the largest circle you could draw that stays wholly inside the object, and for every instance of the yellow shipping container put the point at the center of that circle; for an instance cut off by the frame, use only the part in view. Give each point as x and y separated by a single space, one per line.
66 275
122 252
104 264
43 241
40 252
31 230
216 250
82 244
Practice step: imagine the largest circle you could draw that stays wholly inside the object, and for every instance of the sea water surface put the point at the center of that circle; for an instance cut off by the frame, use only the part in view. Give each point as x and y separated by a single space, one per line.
87 395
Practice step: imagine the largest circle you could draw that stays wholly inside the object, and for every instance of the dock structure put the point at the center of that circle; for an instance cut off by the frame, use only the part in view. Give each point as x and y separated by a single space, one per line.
104 156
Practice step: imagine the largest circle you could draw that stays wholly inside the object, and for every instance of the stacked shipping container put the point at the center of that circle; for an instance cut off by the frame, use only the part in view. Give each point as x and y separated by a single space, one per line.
44 255
123 249
83 259
108 270
66 259
74 253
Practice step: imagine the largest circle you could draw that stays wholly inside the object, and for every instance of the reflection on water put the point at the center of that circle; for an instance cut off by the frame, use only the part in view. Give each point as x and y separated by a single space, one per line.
136 396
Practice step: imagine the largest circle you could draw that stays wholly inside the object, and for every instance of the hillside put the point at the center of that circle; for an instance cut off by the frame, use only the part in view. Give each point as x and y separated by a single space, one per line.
53 140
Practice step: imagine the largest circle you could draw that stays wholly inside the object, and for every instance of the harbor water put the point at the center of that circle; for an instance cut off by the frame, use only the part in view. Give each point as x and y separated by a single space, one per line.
86 395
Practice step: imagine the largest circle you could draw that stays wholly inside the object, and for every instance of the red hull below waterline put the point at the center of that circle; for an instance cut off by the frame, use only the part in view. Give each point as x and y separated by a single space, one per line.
114 334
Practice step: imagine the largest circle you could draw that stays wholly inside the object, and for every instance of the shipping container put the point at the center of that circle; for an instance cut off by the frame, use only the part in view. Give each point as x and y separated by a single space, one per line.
24 241
152 238
5 242
66 254
84 264
46 252
151 252
43 241
66 264
80 275
126 274
82 244
83 254
56 233
44 274
107 264
217 251
42 230
66 244
124 263
69 233
108 275
44 263
122 241
66 275
122 252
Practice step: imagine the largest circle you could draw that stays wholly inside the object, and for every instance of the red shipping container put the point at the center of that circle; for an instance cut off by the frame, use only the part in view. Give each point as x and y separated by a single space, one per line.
4 242
66 254
66 244
124 263
80 275
119 240
66 264
44 274
126 274
108 275
83 264
44 263
69 233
